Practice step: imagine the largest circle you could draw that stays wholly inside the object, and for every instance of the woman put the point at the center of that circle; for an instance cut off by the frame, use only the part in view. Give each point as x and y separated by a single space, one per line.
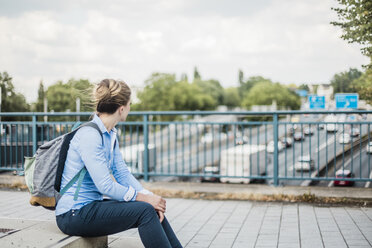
130 205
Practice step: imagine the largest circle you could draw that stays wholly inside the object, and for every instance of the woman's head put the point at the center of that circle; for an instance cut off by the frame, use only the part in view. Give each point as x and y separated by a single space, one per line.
111 94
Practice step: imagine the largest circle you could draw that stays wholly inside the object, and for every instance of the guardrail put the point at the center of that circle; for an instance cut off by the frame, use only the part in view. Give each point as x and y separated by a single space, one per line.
218 146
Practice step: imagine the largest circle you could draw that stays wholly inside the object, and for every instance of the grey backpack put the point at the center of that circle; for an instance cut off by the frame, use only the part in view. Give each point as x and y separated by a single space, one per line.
43 171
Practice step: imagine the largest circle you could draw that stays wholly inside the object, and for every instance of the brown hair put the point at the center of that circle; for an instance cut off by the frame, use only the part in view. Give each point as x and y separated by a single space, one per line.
110 94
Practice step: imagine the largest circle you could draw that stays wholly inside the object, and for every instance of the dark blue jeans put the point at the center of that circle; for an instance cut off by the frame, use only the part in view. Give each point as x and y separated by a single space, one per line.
108 217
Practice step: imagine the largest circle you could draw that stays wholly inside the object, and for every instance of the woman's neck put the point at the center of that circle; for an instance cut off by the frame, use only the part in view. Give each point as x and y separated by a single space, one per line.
109 120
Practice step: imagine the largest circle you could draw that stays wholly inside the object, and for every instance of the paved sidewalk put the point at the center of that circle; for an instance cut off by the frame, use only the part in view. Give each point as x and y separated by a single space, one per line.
208 223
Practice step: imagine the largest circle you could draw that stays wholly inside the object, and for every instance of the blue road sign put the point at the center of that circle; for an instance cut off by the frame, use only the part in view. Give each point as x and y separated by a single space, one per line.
316 102
347 101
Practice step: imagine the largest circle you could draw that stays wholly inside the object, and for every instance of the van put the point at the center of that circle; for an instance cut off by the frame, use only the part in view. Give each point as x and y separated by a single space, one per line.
134 157
236 161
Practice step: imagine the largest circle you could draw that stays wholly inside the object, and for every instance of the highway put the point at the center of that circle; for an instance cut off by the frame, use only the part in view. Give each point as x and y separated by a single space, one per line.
182 150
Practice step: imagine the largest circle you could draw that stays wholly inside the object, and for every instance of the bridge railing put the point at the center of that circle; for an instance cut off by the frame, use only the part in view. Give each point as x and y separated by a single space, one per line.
217 146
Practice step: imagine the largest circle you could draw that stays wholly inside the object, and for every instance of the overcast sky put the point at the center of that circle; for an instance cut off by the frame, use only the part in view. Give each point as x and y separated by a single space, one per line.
288 41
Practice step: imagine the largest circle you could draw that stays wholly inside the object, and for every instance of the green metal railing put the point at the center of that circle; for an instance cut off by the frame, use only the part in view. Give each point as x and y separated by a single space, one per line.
219 146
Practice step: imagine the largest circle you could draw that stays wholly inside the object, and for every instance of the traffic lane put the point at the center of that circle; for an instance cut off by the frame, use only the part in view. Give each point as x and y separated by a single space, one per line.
327 148
360 164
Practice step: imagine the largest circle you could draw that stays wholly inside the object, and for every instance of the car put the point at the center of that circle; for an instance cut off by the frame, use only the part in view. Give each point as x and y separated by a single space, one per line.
209 174
298 136
343 174
292 129
308 131
270 147
344 138
208 138
304 163
369 147
331 127
241 140
354 132
286 141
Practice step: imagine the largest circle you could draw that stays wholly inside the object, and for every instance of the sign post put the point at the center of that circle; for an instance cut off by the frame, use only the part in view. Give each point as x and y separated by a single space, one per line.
316 102
347 100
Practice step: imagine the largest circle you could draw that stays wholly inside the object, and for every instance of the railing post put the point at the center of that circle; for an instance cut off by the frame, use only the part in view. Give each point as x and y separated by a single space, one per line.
34 139
275 124
146 148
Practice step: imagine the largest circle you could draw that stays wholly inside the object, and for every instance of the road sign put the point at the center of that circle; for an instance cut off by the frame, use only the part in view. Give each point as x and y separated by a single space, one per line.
347 101
316 102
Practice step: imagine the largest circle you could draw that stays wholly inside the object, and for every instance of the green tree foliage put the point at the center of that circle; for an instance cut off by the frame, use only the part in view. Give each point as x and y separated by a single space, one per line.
240 77
213 88
232 97
155 95
363 85
162 92
196 74
82 89
10 100
342 82
245 87
39 105
62 96
355 20
304 87
265 92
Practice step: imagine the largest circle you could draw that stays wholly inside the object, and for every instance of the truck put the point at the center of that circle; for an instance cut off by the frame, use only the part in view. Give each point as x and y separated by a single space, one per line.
243 160
133 156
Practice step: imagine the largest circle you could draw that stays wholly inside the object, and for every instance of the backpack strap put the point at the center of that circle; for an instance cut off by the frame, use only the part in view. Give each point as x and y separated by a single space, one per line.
62 159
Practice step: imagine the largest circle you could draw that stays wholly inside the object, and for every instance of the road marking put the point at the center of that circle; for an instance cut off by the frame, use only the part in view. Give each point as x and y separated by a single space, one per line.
368 183
329 142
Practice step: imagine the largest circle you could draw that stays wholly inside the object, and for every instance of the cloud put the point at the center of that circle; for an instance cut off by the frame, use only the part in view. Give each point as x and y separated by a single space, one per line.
285 40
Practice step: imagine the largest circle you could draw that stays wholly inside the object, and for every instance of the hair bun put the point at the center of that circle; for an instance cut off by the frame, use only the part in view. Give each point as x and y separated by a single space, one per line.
110 94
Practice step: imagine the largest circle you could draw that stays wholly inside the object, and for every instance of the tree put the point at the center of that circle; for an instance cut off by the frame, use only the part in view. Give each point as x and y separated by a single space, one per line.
232 97
39 106
264 93
342 82
59 97
241 77
304 87
82 89
196 74
62 97
212 88
10 100
363 86
355 20
163 93
155 95
245 87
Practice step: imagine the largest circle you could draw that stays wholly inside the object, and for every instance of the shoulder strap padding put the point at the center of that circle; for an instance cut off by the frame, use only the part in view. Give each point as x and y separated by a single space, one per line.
64 149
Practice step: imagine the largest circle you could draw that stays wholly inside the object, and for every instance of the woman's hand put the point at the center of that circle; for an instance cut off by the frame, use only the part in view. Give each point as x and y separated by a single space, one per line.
156 201
161 216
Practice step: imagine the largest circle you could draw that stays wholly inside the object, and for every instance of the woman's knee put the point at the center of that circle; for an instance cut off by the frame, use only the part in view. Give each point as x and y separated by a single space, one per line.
148 212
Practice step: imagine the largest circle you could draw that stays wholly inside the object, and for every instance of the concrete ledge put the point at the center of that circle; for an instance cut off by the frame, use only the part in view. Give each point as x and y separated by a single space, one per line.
44 234
260 192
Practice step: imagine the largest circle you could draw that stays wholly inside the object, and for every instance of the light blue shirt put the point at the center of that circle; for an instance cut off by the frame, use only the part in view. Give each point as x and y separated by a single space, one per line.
101 161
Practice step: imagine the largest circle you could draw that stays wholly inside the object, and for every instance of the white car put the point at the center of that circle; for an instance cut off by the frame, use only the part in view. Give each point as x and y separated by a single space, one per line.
208 138
344 138
331 127
270 147
304 163
369 147
354 132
